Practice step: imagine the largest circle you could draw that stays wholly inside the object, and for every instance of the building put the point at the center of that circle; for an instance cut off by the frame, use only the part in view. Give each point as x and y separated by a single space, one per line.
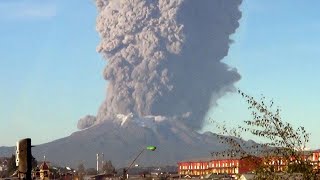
247 177
242 165
316 160
280 163
3 164
42 172
229 165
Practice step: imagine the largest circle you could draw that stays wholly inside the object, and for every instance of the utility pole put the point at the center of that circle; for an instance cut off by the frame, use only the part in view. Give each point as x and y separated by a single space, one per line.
125 170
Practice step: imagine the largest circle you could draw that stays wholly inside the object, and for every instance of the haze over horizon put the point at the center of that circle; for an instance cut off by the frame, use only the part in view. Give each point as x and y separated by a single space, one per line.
53 76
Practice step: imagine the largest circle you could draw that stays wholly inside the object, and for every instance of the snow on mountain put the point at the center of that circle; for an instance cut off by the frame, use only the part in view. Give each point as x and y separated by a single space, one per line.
146 121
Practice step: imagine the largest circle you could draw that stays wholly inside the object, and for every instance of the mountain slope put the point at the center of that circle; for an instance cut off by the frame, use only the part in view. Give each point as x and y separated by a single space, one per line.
122 141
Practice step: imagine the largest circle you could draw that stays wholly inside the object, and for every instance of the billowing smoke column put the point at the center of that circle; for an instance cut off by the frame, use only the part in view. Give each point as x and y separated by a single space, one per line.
86 122
164 56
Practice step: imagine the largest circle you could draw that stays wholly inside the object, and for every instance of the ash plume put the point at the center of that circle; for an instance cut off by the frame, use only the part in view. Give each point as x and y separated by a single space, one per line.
86 122
165 56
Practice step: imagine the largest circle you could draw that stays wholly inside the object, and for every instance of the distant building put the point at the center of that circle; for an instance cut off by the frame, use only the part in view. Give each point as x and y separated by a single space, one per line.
316 160
241 165
102 176
3 164
230 165
42 172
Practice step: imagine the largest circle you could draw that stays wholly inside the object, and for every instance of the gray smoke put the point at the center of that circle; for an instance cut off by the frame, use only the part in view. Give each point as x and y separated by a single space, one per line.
86 122
164 56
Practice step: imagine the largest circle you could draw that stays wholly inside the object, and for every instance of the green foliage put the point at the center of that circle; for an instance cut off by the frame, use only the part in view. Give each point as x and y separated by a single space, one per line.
280 139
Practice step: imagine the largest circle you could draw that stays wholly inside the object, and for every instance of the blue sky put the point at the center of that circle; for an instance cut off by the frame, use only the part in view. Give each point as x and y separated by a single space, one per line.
51 74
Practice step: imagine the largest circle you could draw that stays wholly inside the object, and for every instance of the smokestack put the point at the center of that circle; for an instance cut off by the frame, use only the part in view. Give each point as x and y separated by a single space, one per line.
165 56
97 163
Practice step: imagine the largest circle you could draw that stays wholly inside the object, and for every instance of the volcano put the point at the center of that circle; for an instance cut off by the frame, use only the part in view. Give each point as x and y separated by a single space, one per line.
122 140
165 71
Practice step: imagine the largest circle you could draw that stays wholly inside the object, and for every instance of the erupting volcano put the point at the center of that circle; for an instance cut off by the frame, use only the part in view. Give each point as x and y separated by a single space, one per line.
164 71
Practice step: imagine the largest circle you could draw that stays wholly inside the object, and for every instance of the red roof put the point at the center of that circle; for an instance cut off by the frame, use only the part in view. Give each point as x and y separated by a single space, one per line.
44 166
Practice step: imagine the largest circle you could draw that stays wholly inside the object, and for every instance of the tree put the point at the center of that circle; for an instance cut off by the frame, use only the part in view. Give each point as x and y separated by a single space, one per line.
108 168
12 168
11 165
34 163
91 171
81 171
282 143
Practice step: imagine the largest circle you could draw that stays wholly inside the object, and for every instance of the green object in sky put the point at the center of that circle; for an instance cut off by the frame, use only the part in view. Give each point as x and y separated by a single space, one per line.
151 148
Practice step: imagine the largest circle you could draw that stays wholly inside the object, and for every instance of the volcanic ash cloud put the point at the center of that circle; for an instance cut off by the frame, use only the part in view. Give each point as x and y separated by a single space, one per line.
165 56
